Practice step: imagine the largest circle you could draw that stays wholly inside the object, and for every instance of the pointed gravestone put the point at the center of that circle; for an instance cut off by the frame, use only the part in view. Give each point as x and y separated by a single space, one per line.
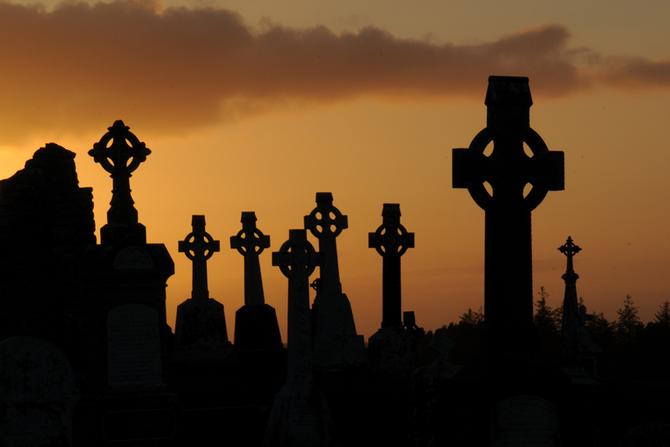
391 347
507 171
256 326
201 322
299 417
335 340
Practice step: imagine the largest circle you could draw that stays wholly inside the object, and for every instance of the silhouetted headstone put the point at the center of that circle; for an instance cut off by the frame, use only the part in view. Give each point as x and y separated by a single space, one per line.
133 347
256 324
391 240
37 394
391 348
579 348
299 416
124 269
335 340
508 298
201 322
120 152
526 421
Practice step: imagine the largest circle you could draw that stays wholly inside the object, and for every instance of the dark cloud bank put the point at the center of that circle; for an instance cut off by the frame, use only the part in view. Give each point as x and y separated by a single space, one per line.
80 65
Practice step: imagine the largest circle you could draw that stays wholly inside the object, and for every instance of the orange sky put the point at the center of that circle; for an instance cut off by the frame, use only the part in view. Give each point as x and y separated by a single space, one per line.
259 109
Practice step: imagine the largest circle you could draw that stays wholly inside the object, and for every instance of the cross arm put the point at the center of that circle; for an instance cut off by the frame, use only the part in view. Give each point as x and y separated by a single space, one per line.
467 168
549 170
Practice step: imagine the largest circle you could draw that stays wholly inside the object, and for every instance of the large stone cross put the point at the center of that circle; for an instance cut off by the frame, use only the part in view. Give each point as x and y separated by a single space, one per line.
391 240
120 153
250 243
297 259
517 182
199 246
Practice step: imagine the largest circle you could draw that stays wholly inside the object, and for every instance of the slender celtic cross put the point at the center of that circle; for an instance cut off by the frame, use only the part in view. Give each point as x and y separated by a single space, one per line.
120 153
199 246
297 259
517 183
569 249
250 243
326 222
391 240
572 319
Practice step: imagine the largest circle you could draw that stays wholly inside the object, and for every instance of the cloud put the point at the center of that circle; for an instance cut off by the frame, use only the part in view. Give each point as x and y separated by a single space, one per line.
80 65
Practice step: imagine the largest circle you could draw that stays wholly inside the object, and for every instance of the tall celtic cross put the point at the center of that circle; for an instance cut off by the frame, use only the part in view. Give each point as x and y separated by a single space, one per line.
517 183
199 246
571 314
391 240
326 222
297 259
250 243
120 153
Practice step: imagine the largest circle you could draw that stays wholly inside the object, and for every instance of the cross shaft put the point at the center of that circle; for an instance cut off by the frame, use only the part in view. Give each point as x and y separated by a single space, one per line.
391 240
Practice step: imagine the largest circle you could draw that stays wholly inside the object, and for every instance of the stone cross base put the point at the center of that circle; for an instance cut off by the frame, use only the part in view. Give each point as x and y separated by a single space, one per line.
335 340
201 325
340 352
256 328
393 351
299 418
122 235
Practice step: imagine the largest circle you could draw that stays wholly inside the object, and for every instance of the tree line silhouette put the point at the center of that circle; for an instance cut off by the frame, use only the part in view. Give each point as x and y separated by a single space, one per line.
629 347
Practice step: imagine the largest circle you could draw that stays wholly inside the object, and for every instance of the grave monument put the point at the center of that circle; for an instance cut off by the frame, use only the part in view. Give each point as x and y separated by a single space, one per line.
256 326
336 343
518 183
201 322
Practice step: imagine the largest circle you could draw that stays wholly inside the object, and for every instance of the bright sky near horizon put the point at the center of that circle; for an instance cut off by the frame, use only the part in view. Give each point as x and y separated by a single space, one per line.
261 108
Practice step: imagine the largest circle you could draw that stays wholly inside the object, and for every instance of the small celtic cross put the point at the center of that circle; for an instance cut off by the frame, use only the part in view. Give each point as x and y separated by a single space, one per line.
199 246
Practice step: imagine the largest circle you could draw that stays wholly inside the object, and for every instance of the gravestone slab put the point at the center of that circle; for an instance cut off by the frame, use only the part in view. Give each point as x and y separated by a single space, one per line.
133 347
525 421
201 325
37 393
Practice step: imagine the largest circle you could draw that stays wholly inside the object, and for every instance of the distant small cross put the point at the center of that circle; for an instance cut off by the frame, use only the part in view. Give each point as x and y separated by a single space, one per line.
296 256
570 249
325 220
120 153
391 238
199 246
249 239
